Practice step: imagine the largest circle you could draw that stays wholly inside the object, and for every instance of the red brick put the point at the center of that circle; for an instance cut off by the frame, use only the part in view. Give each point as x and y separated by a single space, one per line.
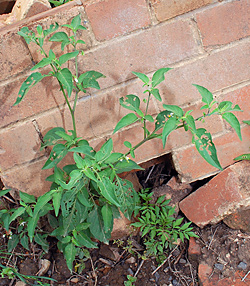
239 220
193 248
28 178
225 23
217 71
191 166
167 9
19 144
240 97
112 18
44 96
221 196
170 43
15 56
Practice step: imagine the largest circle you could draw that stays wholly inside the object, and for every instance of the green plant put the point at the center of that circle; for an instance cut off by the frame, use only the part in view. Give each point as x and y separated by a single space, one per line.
87 195
160 229
130 281
58 2
244 156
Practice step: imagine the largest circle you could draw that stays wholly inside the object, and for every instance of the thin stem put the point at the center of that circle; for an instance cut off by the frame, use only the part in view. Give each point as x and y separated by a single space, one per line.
144 120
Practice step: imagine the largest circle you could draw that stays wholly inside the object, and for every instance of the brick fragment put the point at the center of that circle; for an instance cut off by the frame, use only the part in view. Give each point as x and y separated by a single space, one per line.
225 23
167 9
112 18
193 248
221 196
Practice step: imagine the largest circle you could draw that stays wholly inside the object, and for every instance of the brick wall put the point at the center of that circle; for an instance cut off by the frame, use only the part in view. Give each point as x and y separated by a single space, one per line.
205 42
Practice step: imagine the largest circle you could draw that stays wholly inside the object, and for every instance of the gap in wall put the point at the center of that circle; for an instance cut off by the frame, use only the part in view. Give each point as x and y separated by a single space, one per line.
6 6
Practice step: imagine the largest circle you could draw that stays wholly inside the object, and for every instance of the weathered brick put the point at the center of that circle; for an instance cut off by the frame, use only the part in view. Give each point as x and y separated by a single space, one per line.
221 196
191 166
216 71
45 95
170 43
225 23
240 97
112 18
167 9
15 56
239 220
193 248
28 178
19 144
204 271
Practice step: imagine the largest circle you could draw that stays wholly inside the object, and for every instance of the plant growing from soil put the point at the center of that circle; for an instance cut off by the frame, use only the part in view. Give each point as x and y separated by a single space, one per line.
87 195
160 229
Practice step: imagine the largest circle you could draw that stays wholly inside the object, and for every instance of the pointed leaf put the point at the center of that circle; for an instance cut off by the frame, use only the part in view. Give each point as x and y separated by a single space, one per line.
156 93
44 62
243 157
59 37
169 126
205 146
27 198
32 80
207 96
142 77
17 213
58 152
65 77
107 216
70 254
125 121
107 189
159 76
126 165
175 109
131 102
76 21
85 241
105 151
64 58
233 121
51 137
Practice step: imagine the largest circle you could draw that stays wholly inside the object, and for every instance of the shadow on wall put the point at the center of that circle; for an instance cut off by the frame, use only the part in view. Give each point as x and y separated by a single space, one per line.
6 6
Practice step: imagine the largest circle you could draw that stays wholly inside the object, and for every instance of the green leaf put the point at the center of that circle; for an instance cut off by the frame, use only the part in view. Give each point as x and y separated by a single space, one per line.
52 137
97 226
31 81
161 118
44 62
149 118
125 121
243 157
58 152
105 151
64 58
207 96
175 109
66 79
169 126
70 254
84 149
41 202
142 77
205 146
107 189
4 192
156 93
83 197
13 242
131 102
88 79
39 239
85 241
56 198
17 213
107 215
90 174
247 121
190 122
25 242
126 165
159 76
233 121
28 199
60 37
76 21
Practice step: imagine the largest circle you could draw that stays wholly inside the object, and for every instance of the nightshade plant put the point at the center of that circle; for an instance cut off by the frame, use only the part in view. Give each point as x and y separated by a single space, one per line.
87 195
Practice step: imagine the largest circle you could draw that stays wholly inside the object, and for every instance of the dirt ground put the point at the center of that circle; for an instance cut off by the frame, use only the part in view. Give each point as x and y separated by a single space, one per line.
225 250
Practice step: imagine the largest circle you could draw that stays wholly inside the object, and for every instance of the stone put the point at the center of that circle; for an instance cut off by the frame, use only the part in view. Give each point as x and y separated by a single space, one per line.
242 265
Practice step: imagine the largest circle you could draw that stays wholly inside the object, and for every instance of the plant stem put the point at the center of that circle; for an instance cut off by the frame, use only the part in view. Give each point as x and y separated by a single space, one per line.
144 120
